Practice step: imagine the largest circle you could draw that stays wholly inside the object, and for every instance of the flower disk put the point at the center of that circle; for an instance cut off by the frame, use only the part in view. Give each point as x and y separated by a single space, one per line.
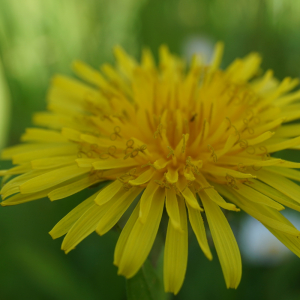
183 140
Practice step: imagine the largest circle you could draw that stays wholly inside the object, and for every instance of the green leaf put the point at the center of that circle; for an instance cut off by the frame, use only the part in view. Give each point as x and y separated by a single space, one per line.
145 285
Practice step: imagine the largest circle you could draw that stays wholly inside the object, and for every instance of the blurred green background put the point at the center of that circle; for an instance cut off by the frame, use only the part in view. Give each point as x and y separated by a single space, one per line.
39 38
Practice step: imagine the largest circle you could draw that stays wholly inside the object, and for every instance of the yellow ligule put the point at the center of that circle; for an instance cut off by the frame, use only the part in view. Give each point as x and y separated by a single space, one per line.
66 223
141 238
199 230
51 178
173 208
117 208
42 135
225 243
176 252
108 192
73 188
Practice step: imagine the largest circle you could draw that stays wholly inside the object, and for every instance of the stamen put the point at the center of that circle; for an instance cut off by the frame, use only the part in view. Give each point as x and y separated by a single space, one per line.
265 155
199 188
91 154
97 173
136 151
242 168
158 131
246 181
171 153
250 130
130 143
176 190
111 150
256 168
131 175
236 132
129 147
251 150
231 181
116 133
195 169
81 154
213 154
162 184
127 186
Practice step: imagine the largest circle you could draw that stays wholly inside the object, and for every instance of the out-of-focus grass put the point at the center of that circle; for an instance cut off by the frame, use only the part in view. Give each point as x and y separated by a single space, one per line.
39 38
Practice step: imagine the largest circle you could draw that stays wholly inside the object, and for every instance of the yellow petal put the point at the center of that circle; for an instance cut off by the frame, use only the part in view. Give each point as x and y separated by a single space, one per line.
253 195
84 226
191 199
146 200
73 188
52 162
199 230
291 242
218 53
90 75
280 183
283 145
17 181
19 198
114 163
223 172
214 195
108 192
126 63
51 178
9 152
225 243
276 195
289 130
141 238
71 134
42 135
66 223
54 121
172 207
286 172
255 212
172 175
116 79
176 253
118 205
143 178
268 216
52 150
23 168
125 234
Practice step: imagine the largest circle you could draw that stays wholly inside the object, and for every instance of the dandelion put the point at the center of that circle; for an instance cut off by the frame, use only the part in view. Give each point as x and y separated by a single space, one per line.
194 141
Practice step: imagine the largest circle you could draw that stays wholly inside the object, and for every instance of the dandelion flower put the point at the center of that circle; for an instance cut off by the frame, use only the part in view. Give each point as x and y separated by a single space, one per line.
194 141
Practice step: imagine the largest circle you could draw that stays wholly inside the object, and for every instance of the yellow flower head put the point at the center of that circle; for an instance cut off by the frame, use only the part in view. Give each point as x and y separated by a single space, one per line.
180 138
